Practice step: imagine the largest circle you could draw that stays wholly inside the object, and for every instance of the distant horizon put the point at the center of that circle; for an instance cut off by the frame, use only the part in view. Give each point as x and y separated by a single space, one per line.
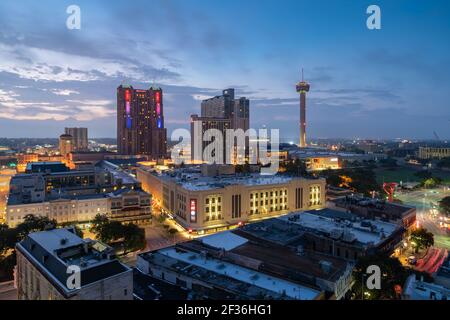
282 140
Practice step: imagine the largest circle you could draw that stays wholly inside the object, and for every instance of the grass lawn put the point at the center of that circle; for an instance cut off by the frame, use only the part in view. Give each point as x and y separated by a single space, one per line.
396 175
406 174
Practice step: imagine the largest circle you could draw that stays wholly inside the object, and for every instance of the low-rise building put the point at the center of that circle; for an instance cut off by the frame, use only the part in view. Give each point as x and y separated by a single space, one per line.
374 208
77 197
59 265
341 234
124 205
419 290
433 153
214 203
442 276
239 264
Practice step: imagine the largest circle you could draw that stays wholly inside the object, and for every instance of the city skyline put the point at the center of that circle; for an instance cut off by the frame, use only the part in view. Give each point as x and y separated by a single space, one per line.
388 83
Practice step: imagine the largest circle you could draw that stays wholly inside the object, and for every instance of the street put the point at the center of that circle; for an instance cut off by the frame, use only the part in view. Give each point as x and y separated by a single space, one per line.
4 190
427 216
426 202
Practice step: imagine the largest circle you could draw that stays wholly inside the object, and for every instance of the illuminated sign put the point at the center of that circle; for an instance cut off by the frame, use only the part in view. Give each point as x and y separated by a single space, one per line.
334 159
128 108
193 208
159 123
157 97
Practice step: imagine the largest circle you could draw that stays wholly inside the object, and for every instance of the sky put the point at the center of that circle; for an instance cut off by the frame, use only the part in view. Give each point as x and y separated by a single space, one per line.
387 83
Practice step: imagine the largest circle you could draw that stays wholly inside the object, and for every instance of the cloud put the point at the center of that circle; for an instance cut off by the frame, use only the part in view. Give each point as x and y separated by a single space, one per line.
64 92
51 65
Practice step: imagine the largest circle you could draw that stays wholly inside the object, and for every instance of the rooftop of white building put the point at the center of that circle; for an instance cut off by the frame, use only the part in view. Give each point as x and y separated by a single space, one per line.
335 224
252 277
192 179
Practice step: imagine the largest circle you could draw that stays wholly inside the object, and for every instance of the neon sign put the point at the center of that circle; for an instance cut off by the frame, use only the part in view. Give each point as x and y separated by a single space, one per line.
193 207
128 108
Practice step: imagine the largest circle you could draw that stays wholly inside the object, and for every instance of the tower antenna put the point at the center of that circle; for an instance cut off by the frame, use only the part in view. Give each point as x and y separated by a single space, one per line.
302 75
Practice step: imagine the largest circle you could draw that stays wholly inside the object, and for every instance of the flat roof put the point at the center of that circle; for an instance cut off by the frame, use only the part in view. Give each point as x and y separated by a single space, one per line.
224 240
195 181
364 231
281 286
52 251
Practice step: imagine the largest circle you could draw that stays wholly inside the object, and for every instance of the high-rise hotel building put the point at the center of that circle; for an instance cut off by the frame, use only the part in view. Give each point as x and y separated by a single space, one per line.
140 122
220 112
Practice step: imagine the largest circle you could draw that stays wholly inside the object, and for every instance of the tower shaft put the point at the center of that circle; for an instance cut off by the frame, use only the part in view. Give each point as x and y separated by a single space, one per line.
303 119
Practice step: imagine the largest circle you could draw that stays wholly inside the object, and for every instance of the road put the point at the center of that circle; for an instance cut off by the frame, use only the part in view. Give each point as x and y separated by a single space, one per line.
428 217
4 190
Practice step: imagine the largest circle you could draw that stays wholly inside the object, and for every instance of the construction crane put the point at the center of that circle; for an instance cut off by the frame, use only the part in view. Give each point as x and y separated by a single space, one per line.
436 136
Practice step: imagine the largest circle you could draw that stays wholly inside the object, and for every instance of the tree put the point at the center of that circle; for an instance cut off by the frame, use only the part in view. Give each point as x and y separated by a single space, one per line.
295 167
388 162
10 236
8 239
421 239
130 236
133 238
99 224
444 163
32 223
431 182
362 180
444 205
424 174
393 274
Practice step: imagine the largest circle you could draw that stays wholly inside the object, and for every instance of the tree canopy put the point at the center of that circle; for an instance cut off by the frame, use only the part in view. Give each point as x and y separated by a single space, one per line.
111 232
444 205
393 275
422 239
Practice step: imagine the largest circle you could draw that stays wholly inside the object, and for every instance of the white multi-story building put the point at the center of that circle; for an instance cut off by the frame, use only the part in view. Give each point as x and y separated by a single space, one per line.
46 261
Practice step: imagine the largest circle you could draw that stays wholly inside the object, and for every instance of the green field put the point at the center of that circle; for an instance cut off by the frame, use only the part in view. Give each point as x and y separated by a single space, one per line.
406 174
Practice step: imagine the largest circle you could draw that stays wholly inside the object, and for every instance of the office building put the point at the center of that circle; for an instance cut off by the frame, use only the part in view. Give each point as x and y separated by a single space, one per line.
43 261
140 122
80 138
215 201
220 112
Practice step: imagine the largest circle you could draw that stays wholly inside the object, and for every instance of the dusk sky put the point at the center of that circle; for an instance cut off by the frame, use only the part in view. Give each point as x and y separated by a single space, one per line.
388 83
